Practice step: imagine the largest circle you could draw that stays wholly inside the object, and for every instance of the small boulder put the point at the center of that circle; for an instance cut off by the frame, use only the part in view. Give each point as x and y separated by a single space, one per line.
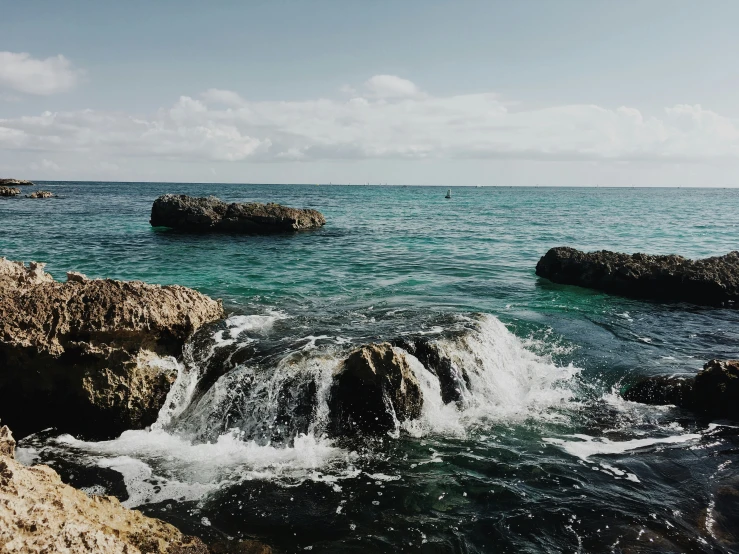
76 277
7 442
41 194
662 390
9 191
716 389
373 391
210 214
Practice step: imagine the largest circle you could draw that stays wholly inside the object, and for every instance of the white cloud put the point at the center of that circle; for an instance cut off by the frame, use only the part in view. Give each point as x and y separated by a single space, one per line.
22 73
395 122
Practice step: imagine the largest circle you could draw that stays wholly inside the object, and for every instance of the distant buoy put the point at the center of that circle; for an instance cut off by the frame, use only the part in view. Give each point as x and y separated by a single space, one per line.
448 193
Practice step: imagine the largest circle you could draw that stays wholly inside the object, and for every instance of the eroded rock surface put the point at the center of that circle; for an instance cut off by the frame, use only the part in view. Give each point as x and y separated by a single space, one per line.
373 390
9 191
210 214
15 182
710 281
90 356
713 392
41 194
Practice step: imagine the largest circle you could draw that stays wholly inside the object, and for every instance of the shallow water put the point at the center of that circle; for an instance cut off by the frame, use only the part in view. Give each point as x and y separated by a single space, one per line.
541 455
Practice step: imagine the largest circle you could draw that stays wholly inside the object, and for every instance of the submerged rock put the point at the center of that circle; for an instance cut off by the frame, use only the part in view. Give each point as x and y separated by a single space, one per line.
41 194
373 390
9 191
713 392
85 356
15 182
210 214
710 281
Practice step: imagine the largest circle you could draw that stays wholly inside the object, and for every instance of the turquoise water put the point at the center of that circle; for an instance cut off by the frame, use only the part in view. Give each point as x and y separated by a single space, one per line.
403 260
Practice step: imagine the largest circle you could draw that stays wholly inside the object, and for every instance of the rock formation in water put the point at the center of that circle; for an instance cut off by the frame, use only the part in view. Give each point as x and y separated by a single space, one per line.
710 281
713 392
373 391
85 356
15 182
40 194
39 513
9 191
213 215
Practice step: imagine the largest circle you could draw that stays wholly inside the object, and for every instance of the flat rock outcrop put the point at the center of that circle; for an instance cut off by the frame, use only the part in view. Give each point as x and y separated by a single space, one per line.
713 392
89 356
15 182
210 214
710 281
9 191
41 194
373 390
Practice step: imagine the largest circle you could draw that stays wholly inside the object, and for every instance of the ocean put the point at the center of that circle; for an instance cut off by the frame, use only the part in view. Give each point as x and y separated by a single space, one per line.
542 454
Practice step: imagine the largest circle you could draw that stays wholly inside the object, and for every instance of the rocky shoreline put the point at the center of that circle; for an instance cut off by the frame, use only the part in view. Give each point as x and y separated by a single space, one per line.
16 182
187 213
710 281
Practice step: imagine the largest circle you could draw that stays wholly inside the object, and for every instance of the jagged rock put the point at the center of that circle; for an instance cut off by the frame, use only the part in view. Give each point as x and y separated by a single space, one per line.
373 390
41 194
710 281
713 392
7 442
452 380
76 277
86 356
16 182
211 214
9 191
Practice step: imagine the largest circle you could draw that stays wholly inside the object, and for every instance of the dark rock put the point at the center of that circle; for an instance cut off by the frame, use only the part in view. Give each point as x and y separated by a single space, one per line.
716 389
85 356
15 182
213 215
452 380
41 194
710 281
661 390
373 390
9 191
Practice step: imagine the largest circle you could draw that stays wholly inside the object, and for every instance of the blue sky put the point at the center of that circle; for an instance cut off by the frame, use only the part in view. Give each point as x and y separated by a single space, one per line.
450 93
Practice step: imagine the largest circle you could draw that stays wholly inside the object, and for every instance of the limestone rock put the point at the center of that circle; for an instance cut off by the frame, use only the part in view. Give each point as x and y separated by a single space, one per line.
90 356
76 277
210 214
41 194
7 442
373 390
710 281
15 182
9 191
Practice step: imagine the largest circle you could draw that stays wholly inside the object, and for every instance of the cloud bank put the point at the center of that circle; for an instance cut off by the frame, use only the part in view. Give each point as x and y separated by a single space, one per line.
386 118
19 72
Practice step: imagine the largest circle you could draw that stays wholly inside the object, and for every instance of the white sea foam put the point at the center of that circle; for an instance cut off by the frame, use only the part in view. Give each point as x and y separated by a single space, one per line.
587 446
239 324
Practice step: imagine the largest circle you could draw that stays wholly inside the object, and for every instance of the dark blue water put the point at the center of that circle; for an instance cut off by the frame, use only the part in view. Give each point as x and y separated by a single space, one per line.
544 457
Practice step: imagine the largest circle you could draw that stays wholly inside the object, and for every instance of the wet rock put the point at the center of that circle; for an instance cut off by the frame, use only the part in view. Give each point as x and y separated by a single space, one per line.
90 356
713 392
9 191
452 380
41 194
15 182
662 390
39 513
76 277
373 390
7 442
716 389
210 214
710 281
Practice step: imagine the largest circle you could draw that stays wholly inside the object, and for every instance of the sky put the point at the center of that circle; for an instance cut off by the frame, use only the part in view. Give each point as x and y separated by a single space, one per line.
534 92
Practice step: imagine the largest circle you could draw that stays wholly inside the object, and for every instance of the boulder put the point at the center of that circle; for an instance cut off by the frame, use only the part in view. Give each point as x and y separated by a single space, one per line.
373 391
210 214
9 191
710 281
713 392
15 182
90 356
452 379
41 194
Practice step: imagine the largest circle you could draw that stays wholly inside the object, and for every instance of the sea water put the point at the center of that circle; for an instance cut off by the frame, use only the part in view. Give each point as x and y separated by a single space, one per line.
539 455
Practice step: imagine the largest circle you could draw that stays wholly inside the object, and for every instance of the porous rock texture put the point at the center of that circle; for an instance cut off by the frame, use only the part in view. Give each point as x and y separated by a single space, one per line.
90 357
41 194
713 392
710 281
373 390
210 214
9 191
15 182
